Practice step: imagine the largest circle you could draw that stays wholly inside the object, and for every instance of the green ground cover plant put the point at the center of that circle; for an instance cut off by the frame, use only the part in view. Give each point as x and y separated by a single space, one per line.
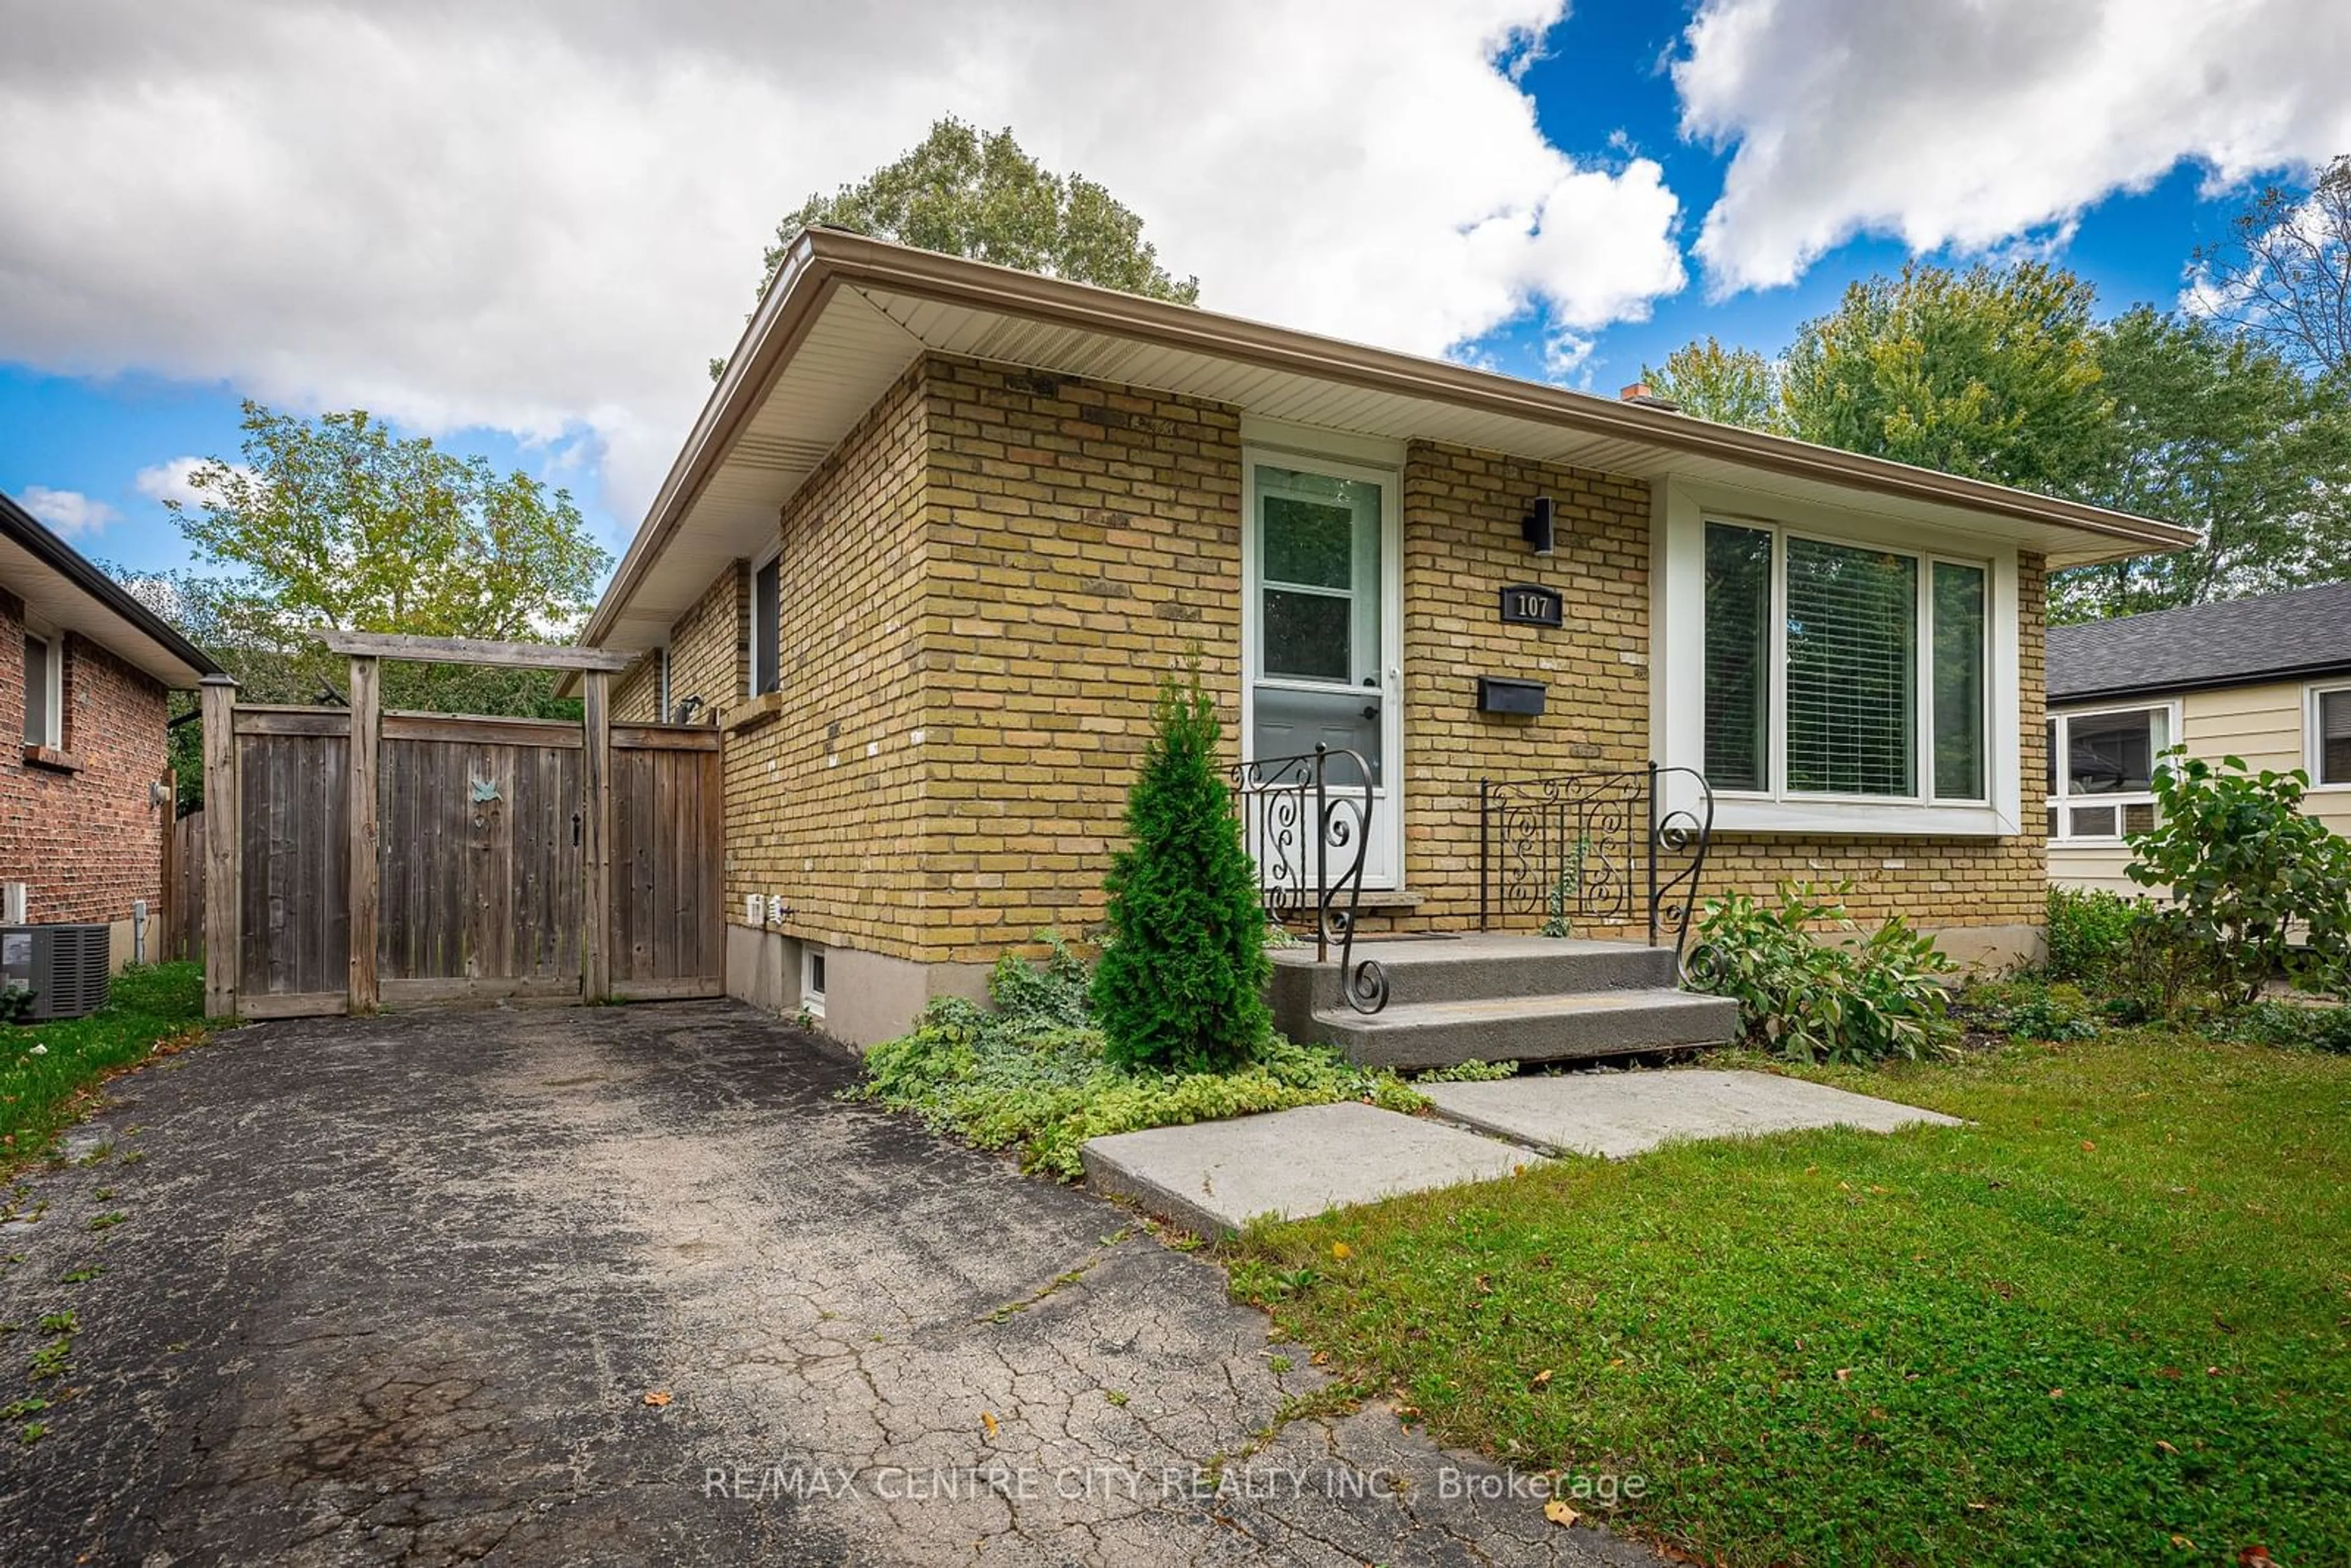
46 1069
1034 1074
2108 1322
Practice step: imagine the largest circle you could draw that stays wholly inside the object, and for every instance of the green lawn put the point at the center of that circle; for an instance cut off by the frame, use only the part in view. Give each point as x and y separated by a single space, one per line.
2110 1323
46 1068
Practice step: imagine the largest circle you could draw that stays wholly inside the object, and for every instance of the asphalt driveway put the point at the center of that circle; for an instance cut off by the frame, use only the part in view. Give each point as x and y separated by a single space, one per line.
397 1291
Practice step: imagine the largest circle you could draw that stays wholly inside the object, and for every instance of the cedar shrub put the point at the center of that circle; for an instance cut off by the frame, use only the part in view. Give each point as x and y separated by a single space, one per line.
1181 984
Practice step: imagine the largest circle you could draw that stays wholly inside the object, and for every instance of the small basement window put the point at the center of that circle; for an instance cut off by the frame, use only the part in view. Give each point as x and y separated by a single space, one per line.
812 979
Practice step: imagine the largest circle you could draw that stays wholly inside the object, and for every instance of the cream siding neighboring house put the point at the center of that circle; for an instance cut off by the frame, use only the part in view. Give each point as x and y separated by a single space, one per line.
2267 680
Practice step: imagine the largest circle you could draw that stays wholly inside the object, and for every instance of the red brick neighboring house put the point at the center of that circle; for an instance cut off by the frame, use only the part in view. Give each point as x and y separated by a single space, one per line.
84 670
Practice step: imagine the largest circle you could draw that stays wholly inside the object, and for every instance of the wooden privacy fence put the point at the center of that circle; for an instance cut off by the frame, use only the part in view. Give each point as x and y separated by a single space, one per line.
183 888
353 857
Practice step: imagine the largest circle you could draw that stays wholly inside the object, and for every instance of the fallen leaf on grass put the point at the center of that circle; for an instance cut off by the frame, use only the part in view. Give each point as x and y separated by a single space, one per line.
657 1398
2163 1446
1559 1514
1542 1377
2254 1557
1845 1375
1342 1252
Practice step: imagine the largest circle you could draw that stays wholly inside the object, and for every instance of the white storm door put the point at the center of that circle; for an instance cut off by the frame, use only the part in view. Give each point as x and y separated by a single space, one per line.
1322 636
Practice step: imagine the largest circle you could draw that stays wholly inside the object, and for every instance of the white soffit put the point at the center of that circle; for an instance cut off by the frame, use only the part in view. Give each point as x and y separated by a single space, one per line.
864 336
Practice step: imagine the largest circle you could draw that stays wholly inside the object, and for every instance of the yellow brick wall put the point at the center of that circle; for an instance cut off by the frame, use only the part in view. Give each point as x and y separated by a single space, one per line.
1462 511
987 580
709 646
825 777
636 696
1085 539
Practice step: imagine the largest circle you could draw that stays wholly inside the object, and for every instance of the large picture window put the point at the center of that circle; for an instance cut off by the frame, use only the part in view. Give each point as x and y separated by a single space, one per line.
2102 772
1842 670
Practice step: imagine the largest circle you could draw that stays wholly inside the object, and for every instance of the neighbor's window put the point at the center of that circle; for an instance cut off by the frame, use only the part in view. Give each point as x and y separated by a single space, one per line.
43 712
765 597
1881 660
2101 771
2330 751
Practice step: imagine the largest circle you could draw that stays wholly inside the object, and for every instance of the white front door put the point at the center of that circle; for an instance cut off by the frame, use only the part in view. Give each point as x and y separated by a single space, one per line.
1321 634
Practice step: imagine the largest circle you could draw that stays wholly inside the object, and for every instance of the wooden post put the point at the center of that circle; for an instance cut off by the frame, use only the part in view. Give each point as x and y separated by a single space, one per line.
596 839
367 707
162 947
223 847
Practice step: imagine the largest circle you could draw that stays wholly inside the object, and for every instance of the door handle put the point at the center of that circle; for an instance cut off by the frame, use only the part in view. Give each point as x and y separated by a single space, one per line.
1371 710
575 830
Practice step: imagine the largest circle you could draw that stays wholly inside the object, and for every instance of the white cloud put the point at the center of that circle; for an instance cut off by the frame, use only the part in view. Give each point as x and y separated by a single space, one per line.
1966 125
169 481
545 217
69 512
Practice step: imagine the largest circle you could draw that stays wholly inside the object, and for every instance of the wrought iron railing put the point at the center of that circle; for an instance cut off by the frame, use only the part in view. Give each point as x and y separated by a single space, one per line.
1594 849
1306 821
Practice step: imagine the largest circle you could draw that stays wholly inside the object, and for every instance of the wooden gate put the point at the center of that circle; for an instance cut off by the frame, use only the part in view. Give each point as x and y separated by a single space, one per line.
495 857
480 823
668 932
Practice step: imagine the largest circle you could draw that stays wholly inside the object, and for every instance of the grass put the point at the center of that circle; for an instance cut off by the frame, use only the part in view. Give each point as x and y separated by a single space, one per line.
49 1070
2108 1323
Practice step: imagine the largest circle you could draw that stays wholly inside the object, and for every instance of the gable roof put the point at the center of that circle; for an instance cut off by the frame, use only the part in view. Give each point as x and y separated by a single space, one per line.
2235 642
64 589
847 314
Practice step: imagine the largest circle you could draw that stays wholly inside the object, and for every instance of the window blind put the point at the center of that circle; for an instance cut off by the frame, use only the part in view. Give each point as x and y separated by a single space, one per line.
37 692
1851 670
1737 656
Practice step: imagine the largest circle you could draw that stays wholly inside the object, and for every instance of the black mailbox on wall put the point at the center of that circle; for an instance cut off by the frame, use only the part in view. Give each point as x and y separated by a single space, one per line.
1499 695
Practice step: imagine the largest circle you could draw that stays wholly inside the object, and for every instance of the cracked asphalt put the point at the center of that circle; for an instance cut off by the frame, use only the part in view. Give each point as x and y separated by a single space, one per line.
395 1291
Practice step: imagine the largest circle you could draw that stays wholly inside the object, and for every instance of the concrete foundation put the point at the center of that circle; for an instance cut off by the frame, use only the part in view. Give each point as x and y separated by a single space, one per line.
1992 950
869 997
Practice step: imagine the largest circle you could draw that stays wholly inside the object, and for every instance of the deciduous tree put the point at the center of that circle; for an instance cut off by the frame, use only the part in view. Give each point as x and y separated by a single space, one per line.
1729 386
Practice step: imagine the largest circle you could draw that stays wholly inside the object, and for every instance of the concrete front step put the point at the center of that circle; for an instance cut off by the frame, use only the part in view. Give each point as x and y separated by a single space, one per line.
1573 1026
1470 967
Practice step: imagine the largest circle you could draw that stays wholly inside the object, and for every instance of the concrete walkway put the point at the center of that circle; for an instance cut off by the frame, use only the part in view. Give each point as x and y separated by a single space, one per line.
629 1285
1215 1176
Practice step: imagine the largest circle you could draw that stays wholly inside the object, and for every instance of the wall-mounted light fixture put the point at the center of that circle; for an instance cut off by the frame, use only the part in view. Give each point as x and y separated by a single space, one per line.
1535 527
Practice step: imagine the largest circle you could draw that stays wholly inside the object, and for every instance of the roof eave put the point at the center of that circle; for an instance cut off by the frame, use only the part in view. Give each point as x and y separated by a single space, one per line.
822 260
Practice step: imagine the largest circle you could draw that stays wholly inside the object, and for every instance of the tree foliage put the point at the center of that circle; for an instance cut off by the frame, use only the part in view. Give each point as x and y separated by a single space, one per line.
965 191
337 523
1990 374
2283 275
1729 386
1181 985
2248 871
2216 431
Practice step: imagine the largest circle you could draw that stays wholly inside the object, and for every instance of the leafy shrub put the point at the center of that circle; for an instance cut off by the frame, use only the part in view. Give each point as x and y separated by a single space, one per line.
2090 934
1035 1075
2246 869
1181 985
1858 998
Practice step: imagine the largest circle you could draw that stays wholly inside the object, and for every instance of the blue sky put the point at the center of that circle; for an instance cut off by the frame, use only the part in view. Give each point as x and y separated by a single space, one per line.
541 290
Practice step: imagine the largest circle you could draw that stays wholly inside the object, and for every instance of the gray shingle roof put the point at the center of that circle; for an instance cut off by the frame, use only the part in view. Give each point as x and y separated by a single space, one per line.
2236 641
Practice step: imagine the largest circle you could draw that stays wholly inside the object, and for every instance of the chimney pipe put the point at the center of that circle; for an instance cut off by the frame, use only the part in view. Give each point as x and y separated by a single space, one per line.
1639 393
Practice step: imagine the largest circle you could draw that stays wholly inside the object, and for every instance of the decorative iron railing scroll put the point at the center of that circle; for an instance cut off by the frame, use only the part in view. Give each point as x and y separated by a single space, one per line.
1594 849
1306 821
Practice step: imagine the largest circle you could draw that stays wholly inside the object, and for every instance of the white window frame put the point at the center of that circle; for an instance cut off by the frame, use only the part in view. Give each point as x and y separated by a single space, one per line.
53 694
813 978
2314 738
751 628
2062 800
1677 683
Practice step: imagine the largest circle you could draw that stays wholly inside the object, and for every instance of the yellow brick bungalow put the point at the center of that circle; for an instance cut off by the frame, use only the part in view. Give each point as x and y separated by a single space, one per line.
942 526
